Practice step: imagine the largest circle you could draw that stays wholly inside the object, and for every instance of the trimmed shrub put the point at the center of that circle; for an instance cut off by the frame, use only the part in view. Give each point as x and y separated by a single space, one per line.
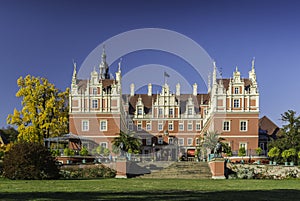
87 172
29 161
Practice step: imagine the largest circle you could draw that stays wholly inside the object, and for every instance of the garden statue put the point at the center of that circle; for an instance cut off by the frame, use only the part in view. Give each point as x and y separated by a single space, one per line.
218 150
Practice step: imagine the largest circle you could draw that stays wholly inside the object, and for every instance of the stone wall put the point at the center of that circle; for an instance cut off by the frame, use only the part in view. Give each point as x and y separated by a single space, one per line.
246 171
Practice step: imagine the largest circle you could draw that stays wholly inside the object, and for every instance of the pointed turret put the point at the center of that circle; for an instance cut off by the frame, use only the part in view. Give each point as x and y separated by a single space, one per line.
104 74
252 74
214 81
74 87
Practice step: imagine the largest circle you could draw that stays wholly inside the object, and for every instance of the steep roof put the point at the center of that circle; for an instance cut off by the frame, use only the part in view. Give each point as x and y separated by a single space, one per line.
267 125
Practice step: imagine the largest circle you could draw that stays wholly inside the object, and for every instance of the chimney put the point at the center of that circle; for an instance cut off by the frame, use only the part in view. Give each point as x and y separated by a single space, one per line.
177 89
132 89
149 89
195 89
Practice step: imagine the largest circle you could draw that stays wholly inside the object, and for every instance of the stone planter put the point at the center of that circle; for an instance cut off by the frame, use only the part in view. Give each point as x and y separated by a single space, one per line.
291 163
286 163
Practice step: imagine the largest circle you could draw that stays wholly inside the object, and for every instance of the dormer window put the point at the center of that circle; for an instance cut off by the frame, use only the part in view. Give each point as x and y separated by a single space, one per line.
95 91
236 90
140 111
190 111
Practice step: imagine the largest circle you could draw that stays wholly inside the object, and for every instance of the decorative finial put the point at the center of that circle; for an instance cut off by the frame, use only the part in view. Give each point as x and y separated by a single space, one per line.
119 67
236 69
253 63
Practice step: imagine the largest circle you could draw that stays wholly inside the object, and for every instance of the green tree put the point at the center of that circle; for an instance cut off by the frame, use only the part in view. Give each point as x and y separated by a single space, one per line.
211 139
44 110
127 142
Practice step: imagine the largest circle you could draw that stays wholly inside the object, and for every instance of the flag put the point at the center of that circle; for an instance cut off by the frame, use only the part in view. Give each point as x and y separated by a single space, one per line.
166 74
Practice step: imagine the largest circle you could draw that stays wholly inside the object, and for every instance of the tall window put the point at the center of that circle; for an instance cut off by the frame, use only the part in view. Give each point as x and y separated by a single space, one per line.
236 90
171 111
95 91
236 103
190 141
171 140
190 111
190 125
226 126
181 126
85 125
140 111
170 126
103 125
94 104
198 126
160 111
181 141
139 125
160 126
148 126
243 125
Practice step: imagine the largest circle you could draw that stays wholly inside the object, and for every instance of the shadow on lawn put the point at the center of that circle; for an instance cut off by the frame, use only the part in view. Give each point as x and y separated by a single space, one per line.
158 195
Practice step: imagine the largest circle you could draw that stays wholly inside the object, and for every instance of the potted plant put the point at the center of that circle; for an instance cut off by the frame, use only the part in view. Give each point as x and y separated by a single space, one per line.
286 155
242 153
258 151
273 154
293 154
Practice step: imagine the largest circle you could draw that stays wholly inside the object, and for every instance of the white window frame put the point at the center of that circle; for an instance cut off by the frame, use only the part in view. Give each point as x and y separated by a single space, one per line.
139 111
243 128
190 123
95 91
170 140
103 144
148 126
190 111
225 128
160 140
160 111
189 141
103 127
139 126
170 126
198 126
241 145
236 103
236 90
171 111
160 126
181 141
94 103
181 126
85 125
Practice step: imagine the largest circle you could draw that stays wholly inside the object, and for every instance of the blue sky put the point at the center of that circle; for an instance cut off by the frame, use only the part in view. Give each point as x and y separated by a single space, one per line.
42 38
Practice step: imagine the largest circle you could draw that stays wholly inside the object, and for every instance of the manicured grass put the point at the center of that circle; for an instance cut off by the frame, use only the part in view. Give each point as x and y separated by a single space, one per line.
150 189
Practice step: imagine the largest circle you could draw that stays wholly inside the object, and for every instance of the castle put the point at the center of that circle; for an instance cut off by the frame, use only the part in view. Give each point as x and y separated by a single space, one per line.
173 122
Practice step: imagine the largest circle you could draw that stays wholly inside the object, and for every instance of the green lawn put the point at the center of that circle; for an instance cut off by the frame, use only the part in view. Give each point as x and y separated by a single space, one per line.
150 189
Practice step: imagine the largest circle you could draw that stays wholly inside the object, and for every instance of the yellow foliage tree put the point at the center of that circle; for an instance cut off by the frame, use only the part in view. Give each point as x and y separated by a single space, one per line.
44 110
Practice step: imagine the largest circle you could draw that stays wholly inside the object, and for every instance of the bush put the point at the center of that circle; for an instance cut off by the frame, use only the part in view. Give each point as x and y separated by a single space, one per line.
84 151
242 151
69 152
29 161
87 172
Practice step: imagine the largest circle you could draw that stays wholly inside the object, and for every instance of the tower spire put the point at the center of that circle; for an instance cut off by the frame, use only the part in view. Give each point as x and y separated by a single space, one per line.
253 63
104 74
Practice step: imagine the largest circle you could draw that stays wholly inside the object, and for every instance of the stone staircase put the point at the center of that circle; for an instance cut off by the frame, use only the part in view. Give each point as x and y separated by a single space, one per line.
182 170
